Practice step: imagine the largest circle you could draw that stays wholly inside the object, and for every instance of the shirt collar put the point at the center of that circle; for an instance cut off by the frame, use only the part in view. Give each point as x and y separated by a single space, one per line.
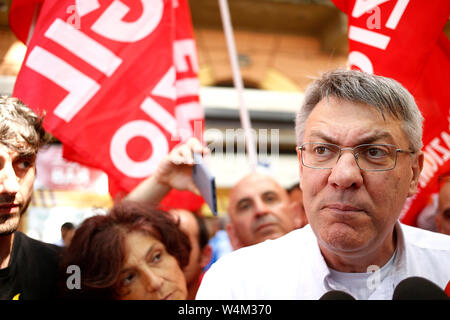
400 263
320 269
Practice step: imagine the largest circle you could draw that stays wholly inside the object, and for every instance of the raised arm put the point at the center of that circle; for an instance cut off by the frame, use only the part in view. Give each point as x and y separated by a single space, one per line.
174 171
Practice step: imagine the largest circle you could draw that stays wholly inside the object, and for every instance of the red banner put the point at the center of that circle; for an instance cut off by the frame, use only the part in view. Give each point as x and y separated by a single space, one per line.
117 79
404 40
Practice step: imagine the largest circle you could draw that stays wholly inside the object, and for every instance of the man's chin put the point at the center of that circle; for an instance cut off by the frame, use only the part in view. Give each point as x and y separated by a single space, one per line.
345 245
275 234
9 226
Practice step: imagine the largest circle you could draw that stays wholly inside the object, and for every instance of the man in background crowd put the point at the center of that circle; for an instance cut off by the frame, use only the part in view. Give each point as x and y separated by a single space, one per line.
194 226
296 195
260 209
67 232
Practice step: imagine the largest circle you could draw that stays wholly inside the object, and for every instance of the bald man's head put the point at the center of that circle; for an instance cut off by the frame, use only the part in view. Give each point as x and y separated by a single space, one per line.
259 209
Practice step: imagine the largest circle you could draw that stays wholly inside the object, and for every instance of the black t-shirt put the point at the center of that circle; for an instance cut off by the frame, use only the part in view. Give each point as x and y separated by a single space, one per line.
32 272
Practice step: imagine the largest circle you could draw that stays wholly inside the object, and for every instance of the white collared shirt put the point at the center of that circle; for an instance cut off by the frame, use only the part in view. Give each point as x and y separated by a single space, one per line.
293 268
360 285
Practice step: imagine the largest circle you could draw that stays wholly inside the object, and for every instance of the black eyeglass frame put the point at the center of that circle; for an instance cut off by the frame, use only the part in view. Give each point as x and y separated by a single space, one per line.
355 155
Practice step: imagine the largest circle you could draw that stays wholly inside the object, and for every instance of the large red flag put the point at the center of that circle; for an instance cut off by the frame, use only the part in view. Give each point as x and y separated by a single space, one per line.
404 40
117 79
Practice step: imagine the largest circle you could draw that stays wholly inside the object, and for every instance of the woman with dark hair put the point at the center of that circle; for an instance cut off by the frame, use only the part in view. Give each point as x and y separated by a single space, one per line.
131 253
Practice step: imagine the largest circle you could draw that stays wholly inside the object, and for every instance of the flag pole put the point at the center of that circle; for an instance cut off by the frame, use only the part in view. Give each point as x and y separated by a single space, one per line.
238 84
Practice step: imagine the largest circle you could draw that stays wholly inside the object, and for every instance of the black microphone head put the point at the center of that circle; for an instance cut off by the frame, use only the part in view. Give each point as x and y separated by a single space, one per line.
336 295
417 288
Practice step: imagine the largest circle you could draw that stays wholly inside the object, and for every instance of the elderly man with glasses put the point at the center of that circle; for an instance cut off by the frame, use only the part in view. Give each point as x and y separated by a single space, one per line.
359 140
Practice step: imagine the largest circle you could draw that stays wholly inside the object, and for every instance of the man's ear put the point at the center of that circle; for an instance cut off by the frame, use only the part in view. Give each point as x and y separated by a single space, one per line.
234 241
437 221
416 170
300 219
205 256
300 167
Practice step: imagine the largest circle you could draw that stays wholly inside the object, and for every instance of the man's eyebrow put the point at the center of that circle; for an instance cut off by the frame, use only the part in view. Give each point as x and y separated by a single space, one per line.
266 193
242 201
26 155
270 192
363 140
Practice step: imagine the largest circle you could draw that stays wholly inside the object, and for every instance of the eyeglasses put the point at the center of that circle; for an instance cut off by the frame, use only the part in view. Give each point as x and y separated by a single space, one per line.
369 157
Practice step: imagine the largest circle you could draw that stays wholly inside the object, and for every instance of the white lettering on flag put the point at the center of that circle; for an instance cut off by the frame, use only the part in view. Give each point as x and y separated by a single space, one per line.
118 148
160 115
187 87
84 47
396 14
185 113
362 6
360 60
111 25
166 86
81 88
86 6
370 38
183 49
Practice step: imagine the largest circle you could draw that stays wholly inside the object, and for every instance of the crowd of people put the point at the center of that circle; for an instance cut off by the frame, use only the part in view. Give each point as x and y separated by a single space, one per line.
359 139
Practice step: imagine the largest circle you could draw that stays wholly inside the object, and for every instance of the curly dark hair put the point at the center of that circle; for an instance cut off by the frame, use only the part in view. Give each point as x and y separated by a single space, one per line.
98 247
21 129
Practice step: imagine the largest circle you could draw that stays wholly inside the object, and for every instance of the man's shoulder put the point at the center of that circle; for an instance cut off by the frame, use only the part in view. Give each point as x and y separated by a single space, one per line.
37 246
238 274
34 268
426 242
284 247
425 239
427 254
294 237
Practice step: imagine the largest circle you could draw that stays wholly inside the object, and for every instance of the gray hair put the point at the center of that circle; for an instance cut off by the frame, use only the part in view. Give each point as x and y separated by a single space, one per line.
385 94
20 128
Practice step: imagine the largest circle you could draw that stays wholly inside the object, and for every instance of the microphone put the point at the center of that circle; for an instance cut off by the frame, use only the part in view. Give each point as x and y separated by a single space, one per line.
336 295
417 288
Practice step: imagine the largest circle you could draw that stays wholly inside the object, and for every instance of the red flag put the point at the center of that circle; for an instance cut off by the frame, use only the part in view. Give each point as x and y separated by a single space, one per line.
118 81
24 14
404 40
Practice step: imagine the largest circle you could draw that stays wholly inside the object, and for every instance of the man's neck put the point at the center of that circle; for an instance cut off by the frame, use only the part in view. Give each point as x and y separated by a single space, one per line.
6 244
355 262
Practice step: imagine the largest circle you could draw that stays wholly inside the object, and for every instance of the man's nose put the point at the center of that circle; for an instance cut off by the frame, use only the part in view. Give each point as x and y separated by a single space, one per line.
9 182
346 172
260 208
